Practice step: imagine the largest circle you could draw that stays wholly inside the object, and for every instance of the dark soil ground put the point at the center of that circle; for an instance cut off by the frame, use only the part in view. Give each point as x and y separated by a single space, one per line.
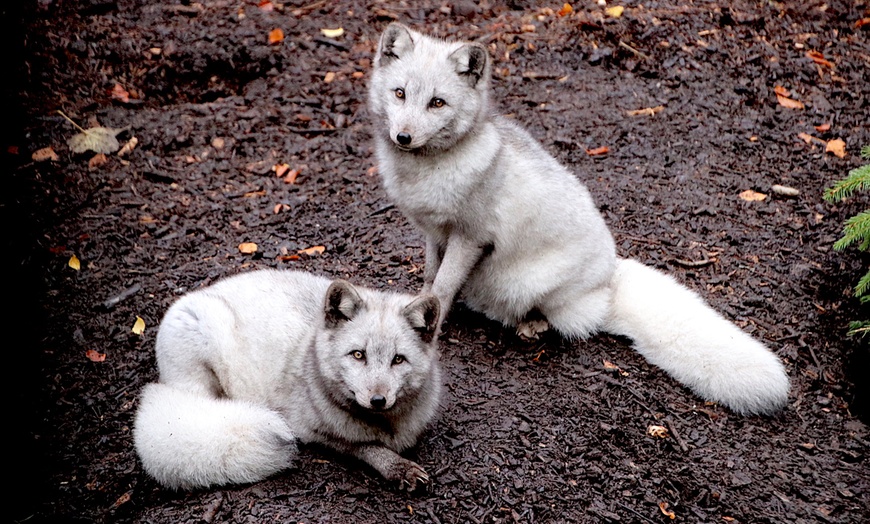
530 432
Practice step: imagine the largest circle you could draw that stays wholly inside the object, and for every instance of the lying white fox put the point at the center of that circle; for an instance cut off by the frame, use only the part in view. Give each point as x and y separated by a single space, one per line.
259 360
520 237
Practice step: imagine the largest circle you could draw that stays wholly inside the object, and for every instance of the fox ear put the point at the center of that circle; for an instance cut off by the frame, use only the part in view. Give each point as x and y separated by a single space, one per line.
395 42
472 63
423 314
342 303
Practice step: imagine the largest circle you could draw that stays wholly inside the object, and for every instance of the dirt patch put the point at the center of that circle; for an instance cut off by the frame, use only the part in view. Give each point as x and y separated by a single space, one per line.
539 432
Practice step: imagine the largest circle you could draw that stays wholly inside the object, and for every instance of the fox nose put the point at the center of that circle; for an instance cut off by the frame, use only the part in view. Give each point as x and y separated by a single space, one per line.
378 401
403 138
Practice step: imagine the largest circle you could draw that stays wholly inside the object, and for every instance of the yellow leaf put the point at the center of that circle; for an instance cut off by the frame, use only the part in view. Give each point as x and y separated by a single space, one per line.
96 139
566 9
248 248
74 263
332 33
836 146
138 326
752 196
315 250
657 431
615 11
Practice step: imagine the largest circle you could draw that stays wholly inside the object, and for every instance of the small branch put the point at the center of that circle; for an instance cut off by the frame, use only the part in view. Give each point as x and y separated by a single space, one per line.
633 50
68 119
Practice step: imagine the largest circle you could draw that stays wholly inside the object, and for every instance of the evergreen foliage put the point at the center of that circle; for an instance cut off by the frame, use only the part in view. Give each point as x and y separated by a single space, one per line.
856 230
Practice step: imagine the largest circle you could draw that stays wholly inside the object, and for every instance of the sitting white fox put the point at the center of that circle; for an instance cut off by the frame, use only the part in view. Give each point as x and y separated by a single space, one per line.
520 237
256 361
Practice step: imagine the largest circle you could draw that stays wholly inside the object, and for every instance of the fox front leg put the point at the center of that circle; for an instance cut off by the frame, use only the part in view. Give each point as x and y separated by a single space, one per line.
392 466
433 263
460 257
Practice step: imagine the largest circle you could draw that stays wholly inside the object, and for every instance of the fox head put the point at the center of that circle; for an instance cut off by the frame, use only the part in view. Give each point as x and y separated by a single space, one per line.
427 94
377 350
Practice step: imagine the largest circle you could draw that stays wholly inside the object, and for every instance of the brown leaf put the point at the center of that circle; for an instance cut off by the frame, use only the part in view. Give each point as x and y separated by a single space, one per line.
98 160
822 128
657 431
280 169
566 9
836 146
752 196
863 22
129 146
46 153
650 111
664 507
329 77
95 356
806 137
120 94
248 248
314 250
266 6
790 103
276 36
603 150
781 91
291 176
819 58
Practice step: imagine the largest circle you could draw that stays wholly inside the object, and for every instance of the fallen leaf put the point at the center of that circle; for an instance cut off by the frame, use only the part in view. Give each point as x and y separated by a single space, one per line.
664 507
280 169
836 146
332 33
781 91
784 190
528 28
329 77
96 139
861 23
822 128
657 431
288 258
610 366
138 326
280 207
266 6
74 263
646 111
123 499
218 142
46 153
819 58
752 196
806 137
603 150
129 146
315 250
790 103
120 94
291 176
248 248
276 36
96 161
615 11
566 9
95 356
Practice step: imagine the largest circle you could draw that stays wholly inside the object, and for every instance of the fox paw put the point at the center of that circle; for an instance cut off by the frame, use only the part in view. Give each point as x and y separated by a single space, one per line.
410 475
529 330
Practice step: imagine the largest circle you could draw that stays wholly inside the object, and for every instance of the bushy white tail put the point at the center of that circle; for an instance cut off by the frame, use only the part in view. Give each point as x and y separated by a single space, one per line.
674 329
188 441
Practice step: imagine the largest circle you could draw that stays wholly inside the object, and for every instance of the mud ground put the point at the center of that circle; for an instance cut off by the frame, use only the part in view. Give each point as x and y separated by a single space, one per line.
530 432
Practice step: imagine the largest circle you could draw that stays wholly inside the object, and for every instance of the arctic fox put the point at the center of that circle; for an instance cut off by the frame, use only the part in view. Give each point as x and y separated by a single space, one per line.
258 360
521 238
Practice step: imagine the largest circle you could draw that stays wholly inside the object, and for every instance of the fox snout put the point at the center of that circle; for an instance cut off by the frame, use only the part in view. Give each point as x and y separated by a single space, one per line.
403 138
376 400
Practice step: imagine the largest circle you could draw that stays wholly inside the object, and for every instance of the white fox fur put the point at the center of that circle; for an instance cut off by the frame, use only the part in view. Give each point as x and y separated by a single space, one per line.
259 360
518 236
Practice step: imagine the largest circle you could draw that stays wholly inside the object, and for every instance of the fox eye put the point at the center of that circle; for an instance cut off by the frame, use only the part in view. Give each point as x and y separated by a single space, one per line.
437 103
400 93
359 355
398 359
